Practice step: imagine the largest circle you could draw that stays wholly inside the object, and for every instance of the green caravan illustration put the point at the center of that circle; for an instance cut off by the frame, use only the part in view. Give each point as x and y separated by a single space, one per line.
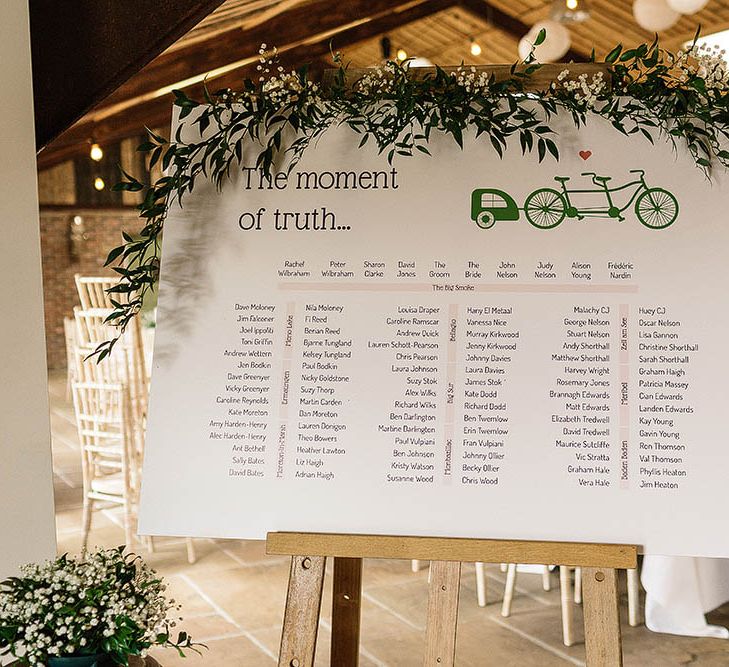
546 208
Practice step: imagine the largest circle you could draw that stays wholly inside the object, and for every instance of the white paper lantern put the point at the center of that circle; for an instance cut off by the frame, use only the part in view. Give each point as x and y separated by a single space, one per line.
687 6
419 61
555 45
525 48
654 15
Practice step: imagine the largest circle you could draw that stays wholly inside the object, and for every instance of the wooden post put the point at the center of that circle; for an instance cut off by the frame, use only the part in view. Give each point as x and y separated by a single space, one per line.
346 603
301 617
440 630
602 620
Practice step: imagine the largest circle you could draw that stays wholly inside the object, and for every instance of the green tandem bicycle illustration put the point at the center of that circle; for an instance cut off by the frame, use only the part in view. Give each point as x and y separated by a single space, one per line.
546 208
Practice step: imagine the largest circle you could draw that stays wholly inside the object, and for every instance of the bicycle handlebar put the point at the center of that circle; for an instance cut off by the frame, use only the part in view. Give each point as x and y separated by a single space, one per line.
637 171
588 173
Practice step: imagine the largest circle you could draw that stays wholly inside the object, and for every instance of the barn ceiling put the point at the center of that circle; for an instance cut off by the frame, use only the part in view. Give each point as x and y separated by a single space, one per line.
223 47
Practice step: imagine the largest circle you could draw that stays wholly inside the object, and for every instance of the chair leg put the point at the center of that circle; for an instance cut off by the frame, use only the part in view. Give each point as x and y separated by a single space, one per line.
546 579
566 597
128 529
633 598
578 585
415 565
480 585
86 521
509 590
191 555
149 543
503 567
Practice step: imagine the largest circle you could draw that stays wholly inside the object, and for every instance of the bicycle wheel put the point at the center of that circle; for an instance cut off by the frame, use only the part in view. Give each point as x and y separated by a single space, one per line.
544 208
656 208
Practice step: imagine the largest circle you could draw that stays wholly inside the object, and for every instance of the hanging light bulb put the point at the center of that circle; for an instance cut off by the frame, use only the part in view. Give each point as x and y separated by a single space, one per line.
570 11
402 54
475 48
96 153
99 183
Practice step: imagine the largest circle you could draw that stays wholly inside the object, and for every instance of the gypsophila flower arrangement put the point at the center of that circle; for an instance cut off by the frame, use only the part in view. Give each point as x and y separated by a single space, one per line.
107 603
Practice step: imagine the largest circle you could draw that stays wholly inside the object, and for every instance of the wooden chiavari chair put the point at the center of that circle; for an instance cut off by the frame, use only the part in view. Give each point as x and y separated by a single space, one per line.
93 294
121 366
568 597
126 364
103 414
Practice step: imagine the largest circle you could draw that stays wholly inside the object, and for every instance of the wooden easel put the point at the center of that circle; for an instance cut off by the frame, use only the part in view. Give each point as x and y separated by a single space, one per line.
309 552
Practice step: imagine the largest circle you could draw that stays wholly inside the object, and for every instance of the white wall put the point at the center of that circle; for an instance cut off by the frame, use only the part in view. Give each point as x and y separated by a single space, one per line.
27 527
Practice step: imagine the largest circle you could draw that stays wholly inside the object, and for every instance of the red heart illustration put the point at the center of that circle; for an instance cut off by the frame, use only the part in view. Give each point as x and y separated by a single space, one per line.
585 154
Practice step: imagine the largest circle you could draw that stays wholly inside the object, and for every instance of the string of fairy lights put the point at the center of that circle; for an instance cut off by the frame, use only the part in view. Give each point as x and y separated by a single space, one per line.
96 153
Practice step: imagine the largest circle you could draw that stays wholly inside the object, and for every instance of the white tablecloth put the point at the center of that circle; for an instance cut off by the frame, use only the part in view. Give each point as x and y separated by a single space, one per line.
680 590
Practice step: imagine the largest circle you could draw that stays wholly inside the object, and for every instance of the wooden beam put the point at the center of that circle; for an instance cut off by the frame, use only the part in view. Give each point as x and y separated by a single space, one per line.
538 81
81 55
311 23
510 24
467 550
157 111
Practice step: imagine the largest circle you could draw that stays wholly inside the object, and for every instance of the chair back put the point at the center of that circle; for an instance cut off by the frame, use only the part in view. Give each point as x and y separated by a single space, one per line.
103 416
123 366
92 291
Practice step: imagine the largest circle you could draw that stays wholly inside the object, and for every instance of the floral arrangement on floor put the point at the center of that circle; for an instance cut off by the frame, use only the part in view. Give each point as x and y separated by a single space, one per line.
107 603
645 91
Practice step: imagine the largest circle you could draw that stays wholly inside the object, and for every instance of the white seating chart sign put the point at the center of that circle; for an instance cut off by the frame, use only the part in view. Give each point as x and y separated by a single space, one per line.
455 345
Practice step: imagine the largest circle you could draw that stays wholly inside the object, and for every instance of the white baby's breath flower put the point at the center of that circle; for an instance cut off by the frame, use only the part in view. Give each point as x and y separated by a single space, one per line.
69 605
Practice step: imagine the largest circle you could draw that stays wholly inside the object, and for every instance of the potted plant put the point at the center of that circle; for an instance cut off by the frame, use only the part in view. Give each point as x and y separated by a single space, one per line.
97 610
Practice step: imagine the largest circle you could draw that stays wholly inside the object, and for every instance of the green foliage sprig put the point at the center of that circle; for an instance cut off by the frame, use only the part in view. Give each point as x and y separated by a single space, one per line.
646 91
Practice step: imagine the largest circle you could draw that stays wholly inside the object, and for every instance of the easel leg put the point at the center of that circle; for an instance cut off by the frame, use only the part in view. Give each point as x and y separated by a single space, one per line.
346 602
440 632
602 620
301 618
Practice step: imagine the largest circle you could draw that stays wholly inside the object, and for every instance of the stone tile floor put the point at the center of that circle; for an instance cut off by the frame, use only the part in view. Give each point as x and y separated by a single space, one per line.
233 597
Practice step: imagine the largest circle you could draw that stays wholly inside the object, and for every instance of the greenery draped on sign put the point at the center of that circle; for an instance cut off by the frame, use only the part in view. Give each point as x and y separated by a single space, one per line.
646 91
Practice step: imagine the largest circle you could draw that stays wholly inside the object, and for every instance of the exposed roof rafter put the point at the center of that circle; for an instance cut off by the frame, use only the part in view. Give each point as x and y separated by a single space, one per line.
154 108
83 53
